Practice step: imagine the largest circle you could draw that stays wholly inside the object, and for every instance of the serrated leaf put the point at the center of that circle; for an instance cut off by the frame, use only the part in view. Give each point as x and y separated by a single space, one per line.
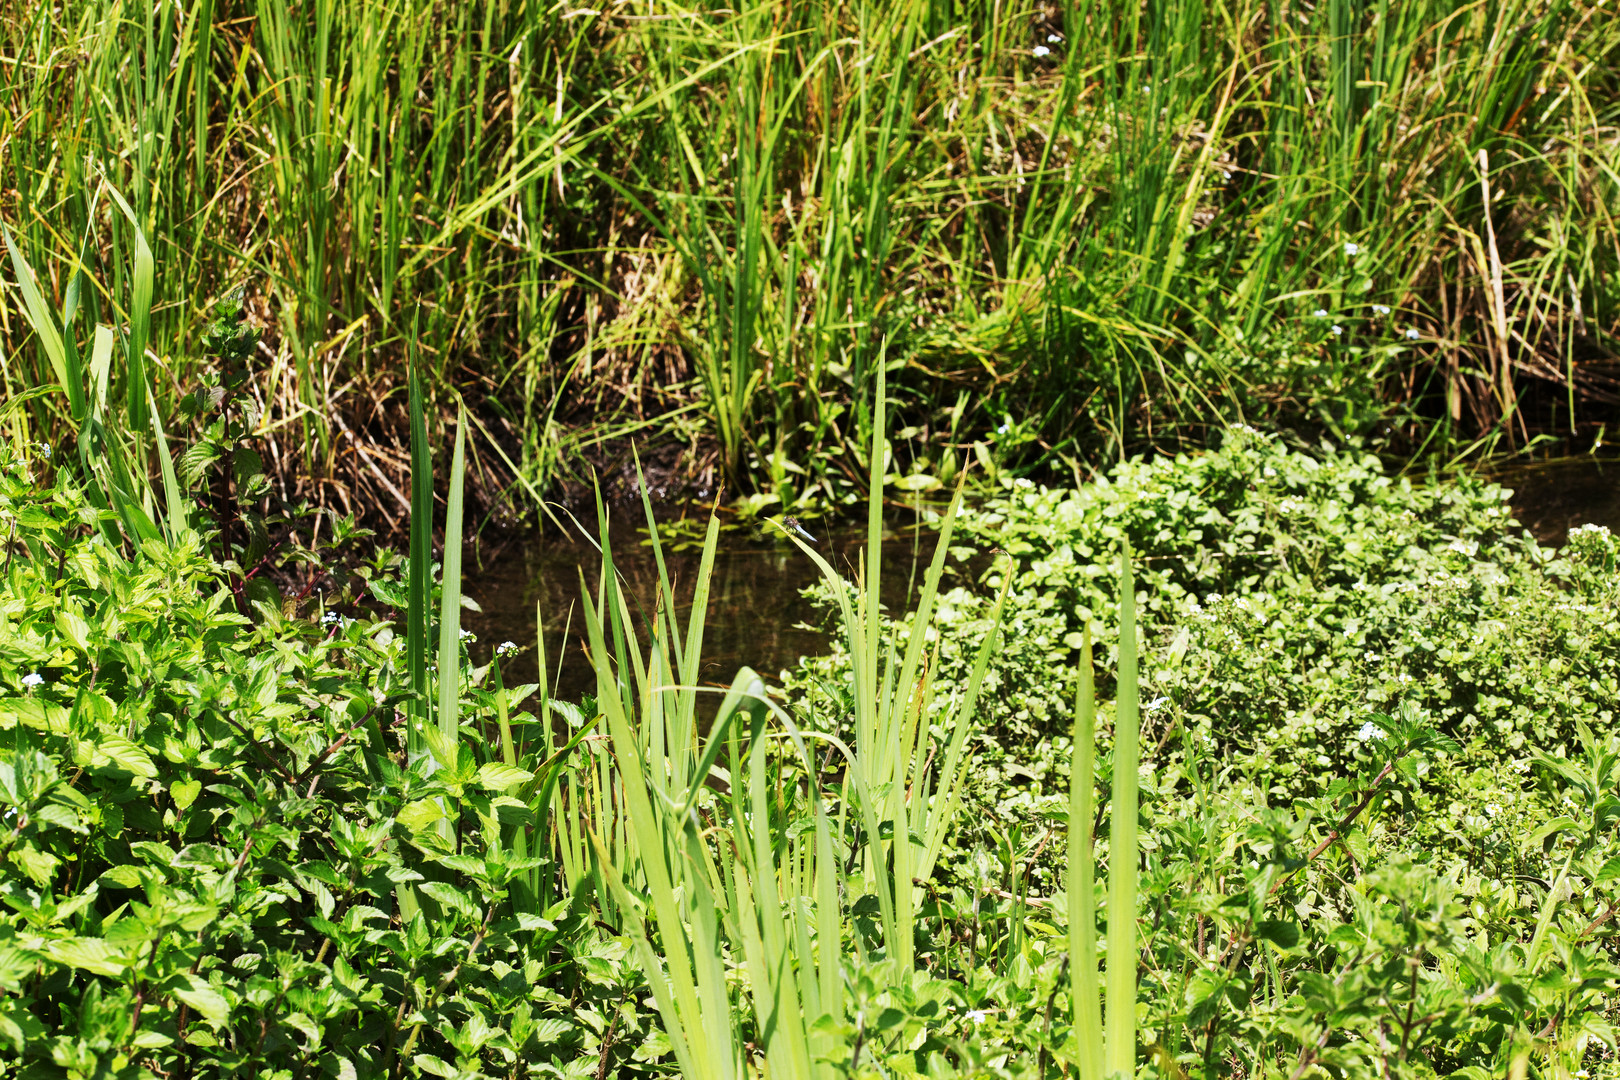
124 877
18 1026
87 954
1556 825
184 792
115 751
420 814
74 628
496 776
450 896
1282 933
209 1002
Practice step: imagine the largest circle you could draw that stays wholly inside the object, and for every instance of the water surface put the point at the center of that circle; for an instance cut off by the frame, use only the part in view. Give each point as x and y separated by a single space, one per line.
757 615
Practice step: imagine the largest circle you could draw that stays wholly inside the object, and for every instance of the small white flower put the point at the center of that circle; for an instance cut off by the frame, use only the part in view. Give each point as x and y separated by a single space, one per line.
1054 38
1412 334
1336 329
1491 809
1351 248
506 648
1382 309
1319 313
1370 731
45 450
33 678
1155 705
976 1015
329 618
1003 429
1041 50
465 634
1226 174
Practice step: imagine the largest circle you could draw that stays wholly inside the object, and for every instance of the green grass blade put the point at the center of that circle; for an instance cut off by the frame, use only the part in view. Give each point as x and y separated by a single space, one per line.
140 317
1087 1002
174 494
43 324
420 585
450 594
1122 845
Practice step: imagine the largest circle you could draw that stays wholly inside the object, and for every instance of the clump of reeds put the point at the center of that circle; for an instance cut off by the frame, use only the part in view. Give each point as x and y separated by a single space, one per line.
1098 218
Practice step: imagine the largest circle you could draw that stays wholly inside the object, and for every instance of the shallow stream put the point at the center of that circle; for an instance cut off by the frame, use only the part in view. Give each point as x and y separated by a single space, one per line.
757 616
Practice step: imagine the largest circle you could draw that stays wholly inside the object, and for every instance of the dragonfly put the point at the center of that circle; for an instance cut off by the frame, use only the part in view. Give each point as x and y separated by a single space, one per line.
792 525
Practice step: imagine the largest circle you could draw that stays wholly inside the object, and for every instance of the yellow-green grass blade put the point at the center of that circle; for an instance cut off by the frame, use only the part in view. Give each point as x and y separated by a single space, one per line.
793 1049
1122 844
174 494
1087 999
417 627
961 724
450 594
40 320
140 317
649 832
663 991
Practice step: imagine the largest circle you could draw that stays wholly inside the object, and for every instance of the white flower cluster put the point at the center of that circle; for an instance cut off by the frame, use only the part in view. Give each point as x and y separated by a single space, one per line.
33 679
465 634
1370 731
506 648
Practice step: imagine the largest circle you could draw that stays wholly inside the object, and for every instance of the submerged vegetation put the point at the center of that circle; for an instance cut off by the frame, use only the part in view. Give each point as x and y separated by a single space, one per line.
1064 229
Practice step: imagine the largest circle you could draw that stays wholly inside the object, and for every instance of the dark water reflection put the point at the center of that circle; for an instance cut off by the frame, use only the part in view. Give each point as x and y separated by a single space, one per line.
756 613
755 607
1550 498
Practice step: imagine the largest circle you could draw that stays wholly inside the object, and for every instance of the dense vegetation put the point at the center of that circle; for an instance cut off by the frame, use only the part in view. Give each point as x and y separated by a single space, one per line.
1253 760
248 845
1067 229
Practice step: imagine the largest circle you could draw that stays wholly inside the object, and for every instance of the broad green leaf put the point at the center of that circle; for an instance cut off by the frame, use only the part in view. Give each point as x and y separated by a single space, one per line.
184 792
117 751
74 628
87 954
451 896
499 777
208 1001
18 1026
420 814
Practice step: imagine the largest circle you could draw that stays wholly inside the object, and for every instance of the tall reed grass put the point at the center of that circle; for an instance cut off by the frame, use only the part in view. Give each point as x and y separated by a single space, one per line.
1110 224
740 849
